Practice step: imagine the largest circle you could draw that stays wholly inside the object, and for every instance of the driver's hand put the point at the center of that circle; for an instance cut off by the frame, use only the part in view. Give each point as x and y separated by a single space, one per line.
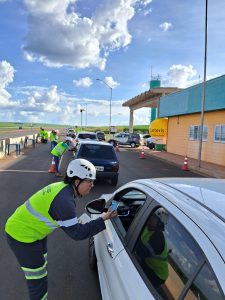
108 215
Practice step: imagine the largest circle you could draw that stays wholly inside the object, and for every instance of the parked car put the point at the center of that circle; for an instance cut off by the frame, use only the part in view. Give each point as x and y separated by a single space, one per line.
103 157
100 135
71 132
122 138
151 142
167 241
144 138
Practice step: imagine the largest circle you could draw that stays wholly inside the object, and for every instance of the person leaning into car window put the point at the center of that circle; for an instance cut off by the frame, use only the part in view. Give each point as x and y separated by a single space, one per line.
152 248
50 208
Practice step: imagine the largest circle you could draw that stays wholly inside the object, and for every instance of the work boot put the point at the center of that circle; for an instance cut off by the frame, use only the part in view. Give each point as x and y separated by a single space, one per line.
58 174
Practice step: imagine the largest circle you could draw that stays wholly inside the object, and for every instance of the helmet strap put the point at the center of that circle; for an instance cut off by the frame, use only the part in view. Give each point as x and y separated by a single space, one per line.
76 188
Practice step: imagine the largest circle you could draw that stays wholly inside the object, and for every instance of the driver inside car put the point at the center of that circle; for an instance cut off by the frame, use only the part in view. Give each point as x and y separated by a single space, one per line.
152 249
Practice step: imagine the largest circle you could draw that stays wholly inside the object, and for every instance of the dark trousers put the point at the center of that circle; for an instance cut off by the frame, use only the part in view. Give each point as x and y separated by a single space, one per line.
56 159
32 258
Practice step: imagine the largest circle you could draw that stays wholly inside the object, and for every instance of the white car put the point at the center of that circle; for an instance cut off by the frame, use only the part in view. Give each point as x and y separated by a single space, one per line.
167 242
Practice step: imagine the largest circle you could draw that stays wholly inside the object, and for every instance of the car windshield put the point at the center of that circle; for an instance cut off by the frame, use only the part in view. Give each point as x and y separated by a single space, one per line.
87 136
97 151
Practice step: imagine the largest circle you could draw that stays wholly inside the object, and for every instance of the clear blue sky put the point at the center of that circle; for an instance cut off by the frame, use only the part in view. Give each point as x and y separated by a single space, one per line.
52 51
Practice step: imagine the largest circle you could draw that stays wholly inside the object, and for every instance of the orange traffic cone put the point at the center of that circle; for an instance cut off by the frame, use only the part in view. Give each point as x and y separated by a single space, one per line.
142 155
52 167
185 165
117 148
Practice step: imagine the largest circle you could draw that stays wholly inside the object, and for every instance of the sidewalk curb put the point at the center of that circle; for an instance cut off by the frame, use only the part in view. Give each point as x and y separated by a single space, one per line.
202 171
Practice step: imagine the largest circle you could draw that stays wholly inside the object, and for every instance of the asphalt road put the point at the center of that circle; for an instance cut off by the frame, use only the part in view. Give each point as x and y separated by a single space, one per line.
69 274
16 133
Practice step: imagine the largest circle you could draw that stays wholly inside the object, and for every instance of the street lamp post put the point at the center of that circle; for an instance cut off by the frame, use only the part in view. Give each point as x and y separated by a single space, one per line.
204 88
110 103
81 111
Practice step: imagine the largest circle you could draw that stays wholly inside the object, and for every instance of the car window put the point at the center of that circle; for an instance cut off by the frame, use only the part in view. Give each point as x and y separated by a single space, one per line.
130 202
89 151
204 287
87 136
167 254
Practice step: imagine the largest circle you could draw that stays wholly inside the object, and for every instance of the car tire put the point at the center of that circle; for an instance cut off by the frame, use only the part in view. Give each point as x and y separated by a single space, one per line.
114 181
133 145
92 259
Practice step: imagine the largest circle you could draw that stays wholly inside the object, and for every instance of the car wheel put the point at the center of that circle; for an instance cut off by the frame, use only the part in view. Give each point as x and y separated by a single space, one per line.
133 145
91 254
114 181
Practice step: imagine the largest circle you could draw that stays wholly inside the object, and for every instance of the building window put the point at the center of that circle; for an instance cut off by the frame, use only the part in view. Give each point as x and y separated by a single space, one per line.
219 133
194 133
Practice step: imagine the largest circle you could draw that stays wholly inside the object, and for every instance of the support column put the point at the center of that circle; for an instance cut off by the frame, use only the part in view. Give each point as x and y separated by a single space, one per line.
131 120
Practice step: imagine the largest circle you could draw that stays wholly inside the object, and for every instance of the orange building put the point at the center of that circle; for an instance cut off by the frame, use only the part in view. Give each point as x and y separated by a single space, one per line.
183 110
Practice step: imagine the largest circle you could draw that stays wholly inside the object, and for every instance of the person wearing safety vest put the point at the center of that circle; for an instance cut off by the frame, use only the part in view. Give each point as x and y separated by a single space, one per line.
154 251
58 151
53 139
52 207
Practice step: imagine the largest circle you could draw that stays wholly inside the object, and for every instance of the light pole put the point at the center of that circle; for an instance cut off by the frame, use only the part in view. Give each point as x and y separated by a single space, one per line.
110 103
81 111
204 88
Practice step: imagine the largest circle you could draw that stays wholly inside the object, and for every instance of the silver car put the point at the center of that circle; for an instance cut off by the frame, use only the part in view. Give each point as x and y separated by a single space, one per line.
167 242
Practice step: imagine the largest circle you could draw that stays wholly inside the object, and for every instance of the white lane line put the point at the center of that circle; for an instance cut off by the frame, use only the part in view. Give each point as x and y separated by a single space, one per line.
24 171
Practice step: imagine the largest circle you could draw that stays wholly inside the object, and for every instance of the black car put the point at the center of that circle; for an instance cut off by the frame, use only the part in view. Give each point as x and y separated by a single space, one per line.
100 135
103 156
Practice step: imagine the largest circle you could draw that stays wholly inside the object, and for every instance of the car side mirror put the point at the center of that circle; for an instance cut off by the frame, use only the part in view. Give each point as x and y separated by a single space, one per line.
96 206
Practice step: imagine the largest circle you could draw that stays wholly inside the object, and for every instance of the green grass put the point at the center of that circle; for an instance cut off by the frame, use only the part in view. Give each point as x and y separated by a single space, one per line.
16 125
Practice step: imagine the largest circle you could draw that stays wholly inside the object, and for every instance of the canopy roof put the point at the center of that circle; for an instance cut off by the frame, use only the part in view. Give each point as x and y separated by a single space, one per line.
149 98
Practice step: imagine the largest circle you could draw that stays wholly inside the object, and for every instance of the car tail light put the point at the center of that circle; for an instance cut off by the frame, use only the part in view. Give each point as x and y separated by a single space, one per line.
115 168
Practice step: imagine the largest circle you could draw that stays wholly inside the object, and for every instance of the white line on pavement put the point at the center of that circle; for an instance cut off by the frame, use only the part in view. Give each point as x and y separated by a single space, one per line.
24 171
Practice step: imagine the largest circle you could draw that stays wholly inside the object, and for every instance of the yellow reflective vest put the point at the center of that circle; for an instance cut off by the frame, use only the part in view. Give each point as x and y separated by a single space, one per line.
59 149
158 263
31 221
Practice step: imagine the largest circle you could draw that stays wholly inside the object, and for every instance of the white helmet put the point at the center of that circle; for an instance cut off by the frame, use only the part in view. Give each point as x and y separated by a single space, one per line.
162 214
67 139
81 168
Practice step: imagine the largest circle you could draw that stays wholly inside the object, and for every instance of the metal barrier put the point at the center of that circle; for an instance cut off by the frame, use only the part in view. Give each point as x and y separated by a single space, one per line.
7 148
26 142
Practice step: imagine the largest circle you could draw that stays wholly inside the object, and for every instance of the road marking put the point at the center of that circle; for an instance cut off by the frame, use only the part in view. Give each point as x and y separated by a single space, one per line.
24 171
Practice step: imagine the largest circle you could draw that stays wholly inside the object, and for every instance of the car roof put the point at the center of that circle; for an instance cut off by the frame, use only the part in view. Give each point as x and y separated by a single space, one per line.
95 143
201 199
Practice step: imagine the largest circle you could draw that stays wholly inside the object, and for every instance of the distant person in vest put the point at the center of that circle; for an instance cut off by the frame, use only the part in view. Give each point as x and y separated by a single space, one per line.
152 249
41 133
58 151
52 207
53 139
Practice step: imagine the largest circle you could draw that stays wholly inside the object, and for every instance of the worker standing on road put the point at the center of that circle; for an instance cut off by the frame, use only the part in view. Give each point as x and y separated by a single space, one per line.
58 151
53 139
48 209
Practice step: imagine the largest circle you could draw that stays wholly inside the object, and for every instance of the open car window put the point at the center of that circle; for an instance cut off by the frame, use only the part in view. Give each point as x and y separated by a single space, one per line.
130 202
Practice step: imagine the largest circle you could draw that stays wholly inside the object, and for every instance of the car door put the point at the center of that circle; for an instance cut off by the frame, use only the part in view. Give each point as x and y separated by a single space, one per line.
115 267
169 258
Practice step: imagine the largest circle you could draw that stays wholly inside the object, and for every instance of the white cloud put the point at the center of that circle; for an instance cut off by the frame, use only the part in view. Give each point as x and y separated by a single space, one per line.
83 82
77 41
6 74
145 2
111 82
165 26
181 76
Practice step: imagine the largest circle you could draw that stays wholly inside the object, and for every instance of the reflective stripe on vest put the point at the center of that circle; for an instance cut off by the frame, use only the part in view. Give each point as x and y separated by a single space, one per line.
66 223
37 273
39 216
45 297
